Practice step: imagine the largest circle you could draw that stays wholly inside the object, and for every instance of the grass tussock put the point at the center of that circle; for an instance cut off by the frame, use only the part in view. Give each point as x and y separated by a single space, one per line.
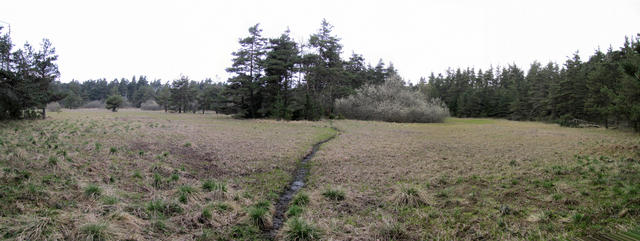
393 231
334 194
297 229
92 191
301 199
160 207
294 211
409 195
260 216
95 232
219 189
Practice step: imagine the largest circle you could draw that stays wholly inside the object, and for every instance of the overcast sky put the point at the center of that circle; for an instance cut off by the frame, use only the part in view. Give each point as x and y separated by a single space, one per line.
163 39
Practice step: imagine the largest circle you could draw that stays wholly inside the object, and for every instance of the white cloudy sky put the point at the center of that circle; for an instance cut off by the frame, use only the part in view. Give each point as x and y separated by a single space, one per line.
163 39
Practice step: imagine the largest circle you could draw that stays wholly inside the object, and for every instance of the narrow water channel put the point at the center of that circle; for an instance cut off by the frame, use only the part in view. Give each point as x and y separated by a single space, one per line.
299 178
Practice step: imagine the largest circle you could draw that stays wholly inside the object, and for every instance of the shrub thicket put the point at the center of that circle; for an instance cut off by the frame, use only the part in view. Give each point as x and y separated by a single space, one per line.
96 104
150 105
391 101
54 107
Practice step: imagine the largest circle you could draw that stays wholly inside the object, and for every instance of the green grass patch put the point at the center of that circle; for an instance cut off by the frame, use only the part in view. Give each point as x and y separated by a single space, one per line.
334 194
92 190
298 229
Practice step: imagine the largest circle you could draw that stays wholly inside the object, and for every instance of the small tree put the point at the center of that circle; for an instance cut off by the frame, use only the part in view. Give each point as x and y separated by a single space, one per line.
163 97
114 102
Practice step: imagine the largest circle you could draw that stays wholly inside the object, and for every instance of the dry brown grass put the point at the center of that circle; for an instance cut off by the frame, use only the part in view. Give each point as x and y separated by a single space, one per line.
486 178
134 157
460 180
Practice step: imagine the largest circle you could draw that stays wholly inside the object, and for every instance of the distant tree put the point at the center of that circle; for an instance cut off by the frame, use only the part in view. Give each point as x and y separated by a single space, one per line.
569 92
247 67
114 102
72 100
46 72
631 65
602 79
181 94
142 94
207 96
26 79
326 74
627 101
163 97
356 71
540 80
520 107
280 66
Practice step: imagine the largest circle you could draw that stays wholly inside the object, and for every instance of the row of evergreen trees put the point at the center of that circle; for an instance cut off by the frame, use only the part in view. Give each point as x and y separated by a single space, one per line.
26 76
275 78
181 95
605 89
280 78
136 91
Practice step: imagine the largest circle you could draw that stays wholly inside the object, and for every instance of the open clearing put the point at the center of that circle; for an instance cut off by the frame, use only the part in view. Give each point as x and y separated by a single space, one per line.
90 174
475 179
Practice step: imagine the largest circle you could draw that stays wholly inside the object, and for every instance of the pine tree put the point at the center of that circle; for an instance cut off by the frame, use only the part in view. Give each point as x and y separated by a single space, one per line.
181 94
540 80
356 71
280 67
114 102
601 82
163 97
26 79
247 67
327 74
627 102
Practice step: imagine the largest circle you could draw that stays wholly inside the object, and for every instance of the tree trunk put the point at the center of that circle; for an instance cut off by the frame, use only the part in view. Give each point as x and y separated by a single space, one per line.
44 113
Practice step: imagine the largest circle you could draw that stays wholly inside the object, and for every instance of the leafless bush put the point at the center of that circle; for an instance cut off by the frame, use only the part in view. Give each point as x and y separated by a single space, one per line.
96 104
391 101
150 105
54 107
127 104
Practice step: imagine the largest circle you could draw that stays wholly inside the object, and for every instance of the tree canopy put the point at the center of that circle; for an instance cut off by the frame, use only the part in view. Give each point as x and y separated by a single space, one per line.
26 76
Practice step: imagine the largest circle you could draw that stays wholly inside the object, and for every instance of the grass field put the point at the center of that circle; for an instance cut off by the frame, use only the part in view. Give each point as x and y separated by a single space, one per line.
97 175
475 179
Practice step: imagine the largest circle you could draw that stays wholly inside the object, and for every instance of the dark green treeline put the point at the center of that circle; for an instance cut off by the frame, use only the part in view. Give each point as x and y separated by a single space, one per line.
284 79
604 89
271 77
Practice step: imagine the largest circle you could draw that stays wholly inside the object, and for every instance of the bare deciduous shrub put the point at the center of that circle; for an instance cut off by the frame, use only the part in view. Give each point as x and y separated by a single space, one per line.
126 104
54 107
150 105
391 101
96 104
